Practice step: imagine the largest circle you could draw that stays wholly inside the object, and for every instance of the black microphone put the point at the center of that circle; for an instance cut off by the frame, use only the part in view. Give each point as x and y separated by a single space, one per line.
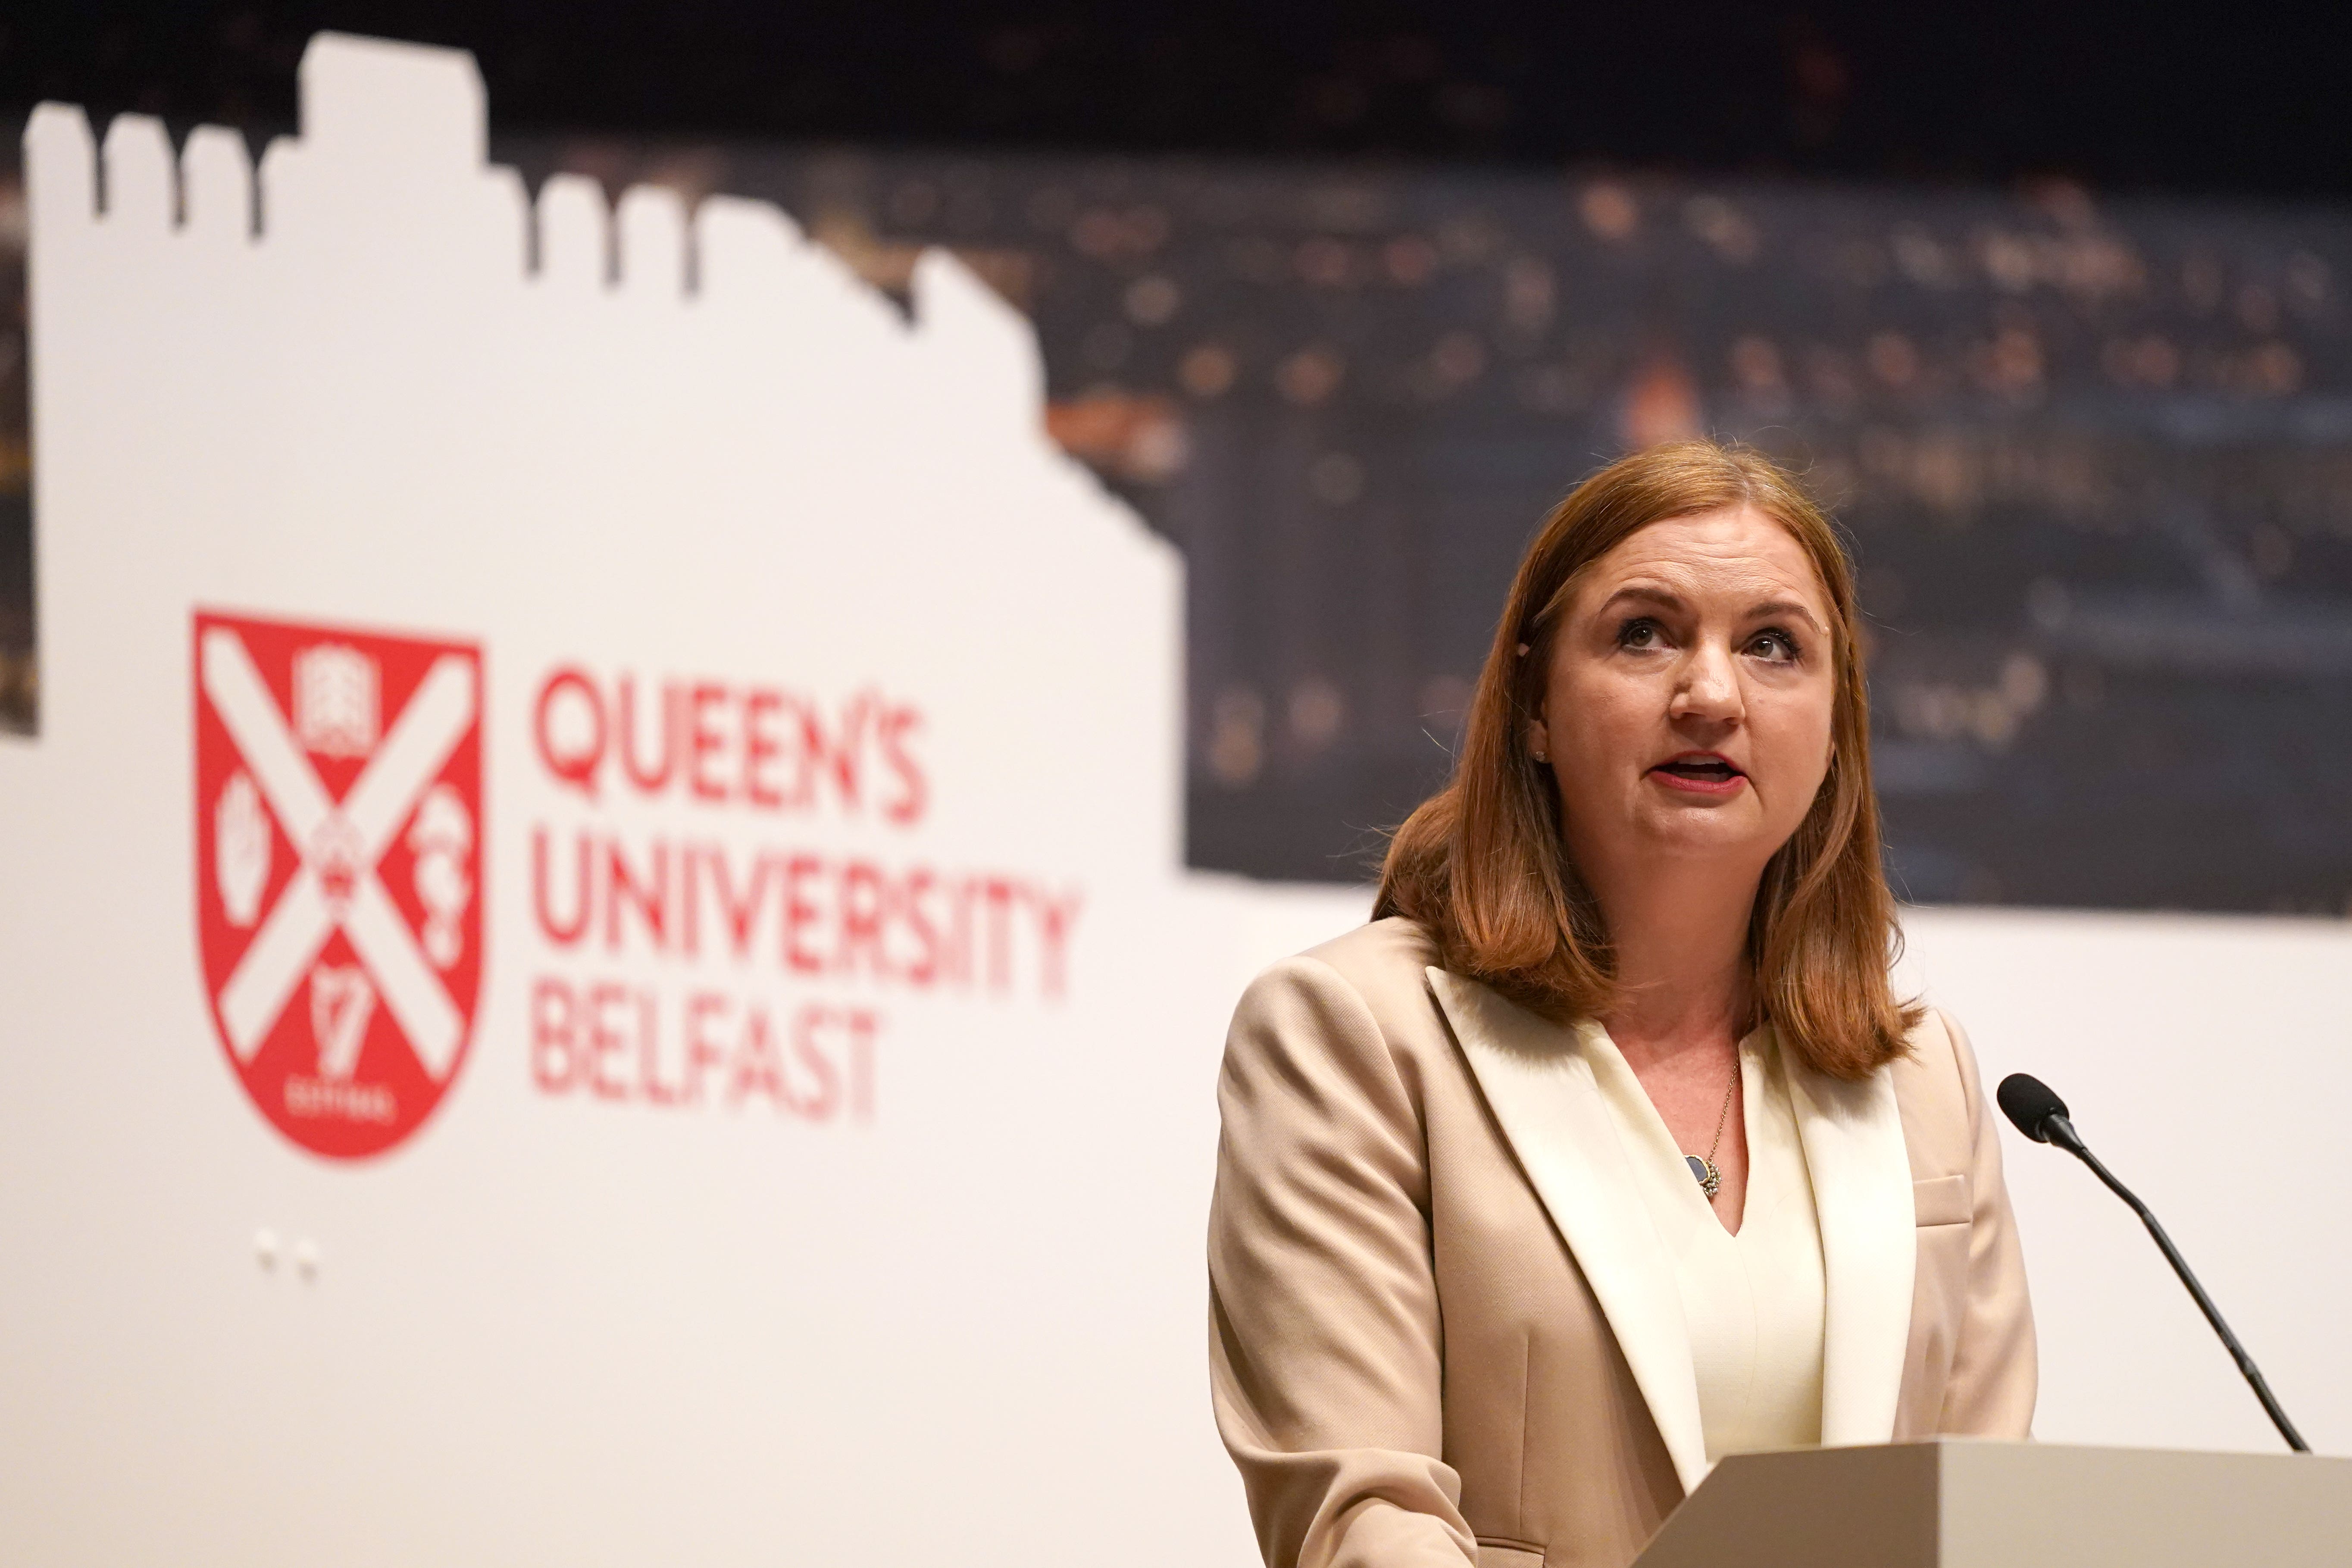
2041 1115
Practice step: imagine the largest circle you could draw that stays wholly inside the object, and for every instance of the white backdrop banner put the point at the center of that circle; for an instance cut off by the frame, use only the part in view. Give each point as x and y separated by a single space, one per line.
594 956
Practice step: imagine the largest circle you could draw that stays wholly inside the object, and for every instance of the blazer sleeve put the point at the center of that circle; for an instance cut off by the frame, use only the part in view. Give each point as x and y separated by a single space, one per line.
1325 1355
1995 1371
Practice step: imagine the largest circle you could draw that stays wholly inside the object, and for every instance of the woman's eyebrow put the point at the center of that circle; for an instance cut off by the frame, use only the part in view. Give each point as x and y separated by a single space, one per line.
1667 598
1646 593
1784 608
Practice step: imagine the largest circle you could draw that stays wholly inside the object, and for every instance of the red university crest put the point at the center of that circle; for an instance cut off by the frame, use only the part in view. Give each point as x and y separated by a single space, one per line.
339 870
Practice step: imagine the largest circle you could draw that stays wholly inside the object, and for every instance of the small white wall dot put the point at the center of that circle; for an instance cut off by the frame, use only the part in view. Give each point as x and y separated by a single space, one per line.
305 1258
264 1248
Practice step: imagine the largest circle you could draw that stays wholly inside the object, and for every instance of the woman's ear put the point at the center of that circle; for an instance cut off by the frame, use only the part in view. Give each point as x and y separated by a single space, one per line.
1539 742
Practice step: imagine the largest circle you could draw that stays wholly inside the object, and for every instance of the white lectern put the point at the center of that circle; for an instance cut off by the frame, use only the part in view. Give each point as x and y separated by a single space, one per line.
1958 1504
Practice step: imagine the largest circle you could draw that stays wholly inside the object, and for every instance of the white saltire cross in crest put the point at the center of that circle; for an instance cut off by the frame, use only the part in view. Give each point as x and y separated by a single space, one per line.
336 887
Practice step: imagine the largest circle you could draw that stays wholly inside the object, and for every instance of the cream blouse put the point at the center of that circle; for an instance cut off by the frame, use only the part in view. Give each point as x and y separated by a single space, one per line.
1752 1303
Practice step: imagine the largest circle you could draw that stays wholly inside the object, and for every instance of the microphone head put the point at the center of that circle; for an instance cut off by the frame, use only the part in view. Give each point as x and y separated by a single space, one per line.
2031 1103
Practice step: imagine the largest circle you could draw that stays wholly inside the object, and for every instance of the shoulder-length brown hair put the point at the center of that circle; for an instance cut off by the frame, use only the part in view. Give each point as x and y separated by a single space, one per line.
1483 865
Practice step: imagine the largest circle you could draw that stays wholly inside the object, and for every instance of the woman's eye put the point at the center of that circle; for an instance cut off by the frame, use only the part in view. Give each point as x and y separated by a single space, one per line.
1641 632
1776 645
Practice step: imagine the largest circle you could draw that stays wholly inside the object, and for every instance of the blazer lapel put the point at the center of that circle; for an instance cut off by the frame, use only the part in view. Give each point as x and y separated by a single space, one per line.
1860 1170
1539 1083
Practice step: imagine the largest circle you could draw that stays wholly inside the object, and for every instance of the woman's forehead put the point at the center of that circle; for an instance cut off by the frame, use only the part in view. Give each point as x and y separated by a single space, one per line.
1736 551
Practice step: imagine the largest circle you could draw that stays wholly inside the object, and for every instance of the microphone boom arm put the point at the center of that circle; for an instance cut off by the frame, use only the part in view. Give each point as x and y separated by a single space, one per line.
2061 1131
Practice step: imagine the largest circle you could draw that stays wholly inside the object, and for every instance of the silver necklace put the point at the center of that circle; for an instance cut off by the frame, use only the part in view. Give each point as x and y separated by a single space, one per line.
1710 1179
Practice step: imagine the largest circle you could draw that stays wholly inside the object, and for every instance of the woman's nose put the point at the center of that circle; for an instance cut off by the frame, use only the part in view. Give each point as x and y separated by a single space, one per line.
1709 687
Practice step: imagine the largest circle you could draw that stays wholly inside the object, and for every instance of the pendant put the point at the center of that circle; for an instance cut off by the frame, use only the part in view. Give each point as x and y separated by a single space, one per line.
1710 1179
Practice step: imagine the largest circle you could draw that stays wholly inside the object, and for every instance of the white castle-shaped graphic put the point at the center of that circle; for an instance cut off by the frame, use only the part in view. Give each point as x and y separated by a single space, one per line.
374 385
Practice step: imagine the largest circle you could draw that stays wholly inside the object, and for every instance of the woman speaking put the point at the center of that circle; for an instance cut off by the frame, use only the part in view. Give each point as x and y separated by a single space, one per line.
1605 1151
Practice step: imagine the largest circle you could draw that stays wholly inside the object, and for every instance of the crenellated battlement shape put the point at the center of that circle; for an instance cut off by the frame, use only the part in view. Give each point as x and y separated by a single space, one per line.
387 189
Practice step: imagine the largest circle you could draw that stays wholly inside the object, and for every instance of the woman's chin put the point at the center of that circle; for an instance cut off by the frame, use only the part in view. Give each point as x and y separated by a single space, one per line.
1704 827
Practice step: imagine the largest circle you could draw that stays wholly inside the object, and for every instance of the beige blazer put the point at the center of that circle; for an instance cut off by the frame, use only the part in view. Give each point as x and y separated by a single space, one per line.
1444 1330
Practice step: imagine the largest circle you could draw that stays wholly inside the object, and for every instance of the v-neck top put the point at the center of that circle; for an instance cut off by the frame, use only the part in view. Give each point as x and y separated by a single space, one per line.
1754 1304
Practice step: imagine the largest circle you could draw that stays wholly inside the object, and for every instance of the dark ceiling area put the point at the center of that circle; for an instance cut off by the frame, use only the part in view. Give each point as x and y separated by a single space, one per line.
2206 100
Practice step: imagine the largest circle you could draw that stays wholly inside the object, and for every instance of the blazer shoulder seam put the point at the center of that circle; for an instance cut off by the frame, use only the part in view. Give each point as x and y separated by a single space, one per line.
1329 977
1969 1110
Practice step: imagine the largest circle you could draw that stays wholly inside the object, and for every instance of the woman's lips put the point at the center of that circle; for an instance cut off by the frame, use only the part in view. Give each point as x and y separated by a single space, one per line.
1699 775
